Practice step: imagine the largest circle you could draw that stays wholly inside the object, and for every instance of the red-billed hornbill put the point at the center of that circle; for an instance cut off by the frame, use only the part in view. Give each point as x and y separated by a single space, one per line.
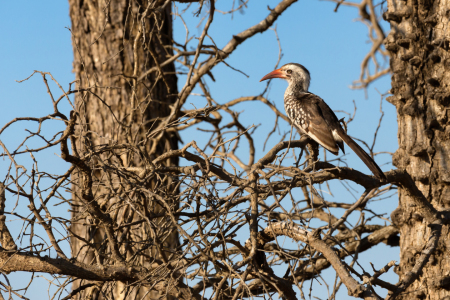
313 116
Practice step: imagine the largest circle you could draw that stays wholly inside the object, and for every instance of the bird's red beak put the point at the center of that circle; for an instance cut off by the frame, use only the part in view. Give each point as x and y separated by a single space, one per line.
274 74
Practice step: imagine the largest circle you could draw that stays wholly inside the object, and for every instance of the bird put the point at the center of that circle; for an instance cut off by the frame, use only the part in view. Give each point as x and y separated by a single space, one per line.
313 117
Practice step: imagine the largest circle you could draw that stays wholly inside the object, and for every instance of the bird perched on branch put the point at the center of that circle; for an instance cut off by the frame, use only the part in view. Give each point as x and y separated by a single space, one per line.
313 116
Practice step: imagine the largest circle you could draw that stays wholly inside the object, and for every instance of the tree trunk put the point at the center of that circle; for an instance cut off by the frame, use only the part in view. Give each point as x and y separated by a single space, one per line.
114 44
419 44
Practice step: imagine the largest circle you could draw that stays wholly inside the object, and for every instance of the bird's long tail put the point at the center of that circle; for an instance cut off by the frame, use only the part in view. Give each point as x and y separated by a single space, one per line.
370 163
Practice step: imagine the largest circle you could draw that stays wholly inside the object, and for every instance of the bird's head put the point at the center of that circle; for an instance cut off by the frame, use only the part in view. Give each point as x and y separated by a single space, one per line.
294 74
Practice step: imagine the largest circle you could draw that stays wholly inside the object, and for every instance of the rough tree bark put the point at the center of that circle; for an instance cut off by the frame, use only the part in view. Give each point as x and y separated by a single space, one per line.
114 44
419 44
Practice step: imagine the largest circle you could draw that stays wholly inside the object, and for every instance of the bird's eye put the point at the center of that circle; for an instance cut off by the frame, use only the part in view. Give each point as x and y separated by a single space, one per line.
289 71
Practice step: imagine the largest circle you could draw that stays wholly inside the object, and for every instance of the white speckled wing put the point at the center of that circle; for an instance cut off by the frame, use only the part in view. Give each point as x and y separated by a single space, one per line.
304 112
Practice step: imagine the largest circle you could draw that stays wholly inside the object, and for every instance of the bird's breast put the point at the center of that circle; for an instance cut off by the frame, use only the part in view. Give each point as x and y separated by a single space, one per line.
296 112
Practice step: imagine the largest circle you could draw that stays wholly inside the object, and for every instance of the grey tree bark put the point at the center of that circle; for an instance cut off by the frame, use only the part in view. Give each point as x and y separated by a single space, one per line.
420 62
114 45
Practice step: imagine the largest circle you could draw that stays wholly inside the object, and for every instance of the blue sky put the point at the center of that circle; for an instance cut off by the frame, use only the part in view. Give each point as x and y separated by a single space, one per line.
331 45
